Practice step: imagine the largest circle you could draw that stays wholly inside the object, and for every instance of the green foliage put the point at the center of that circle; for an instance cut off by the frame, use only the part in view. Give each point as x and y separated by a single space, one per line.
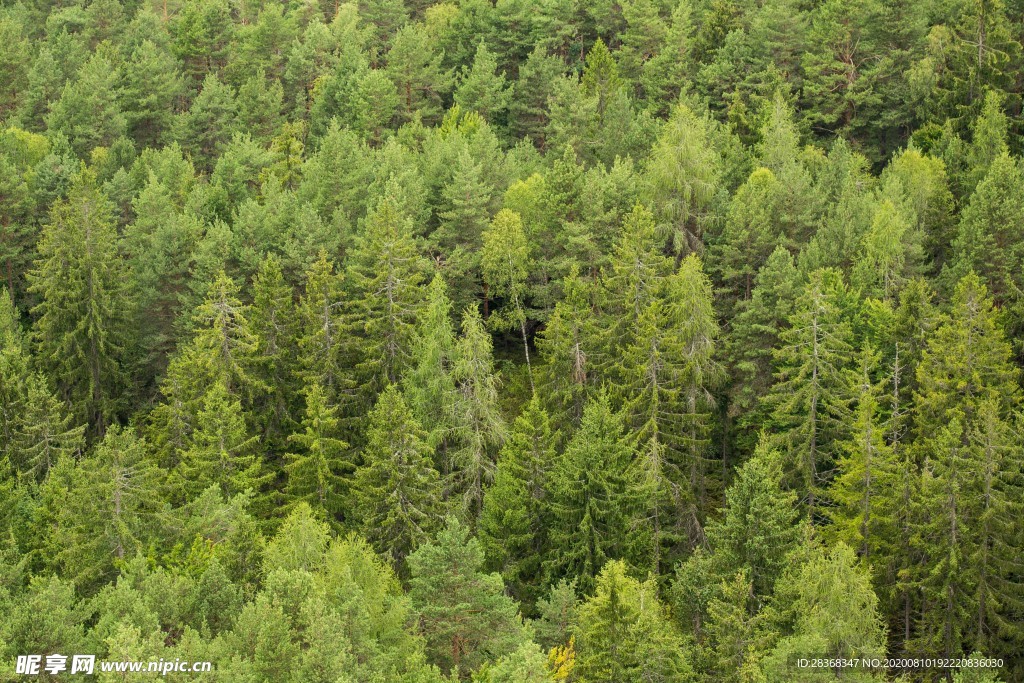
464 614
712 303
396 489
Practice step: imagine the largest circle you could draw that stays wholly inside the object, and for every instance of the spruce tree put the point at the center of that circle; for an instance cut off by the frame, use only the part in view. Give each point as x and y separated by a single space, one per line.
396 489
325 348
273 320
514 520
384 274
810 399
479 428
429 386
47 432
758 528
81 319
108 512
568 345
505 262
220 451
589 497
622 633
319 475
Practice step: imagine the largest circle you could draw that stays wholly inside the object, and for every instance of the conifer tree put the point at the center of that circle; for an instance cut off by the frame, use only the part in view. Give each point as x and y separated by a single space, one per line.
622 633
206 128
274 322
867 488
107 513
220 450
384 273
514 520
987 241
635 278
505 262
47 432
568 345
429 386
81 316
589 497
966 361
758 529
396 488
14 375
684 171
811 396
87 111
748 238
464 613
318 476
479 427
325 348
482 88
415 68
836 613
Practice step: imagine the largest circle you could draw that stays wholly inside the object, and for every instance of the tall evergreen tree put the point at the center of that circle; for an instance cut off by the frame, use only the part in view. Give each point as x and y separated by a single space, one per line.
589 497
479 428
515 516
811 396
396 488
384 273
318 476
464 613
81 316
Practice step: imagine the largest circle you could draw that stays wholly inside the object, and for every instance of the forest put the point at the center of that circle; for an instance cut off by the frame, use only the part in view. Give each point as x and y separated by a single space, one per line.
513 341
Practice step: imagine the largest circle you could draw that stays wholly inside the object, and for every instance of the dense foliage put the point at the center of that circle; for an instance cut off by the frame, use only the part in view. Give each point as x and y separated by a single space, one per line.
512 341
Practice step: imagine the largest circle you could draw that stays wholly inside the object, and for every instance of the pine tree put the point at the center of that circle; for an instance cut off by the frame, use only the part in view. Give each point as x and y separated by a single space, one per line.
81 317
479 426
464 613
528 108
481 89
150 83
318 476
87 111
396 489
514 519
415 68
206 128
589 498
